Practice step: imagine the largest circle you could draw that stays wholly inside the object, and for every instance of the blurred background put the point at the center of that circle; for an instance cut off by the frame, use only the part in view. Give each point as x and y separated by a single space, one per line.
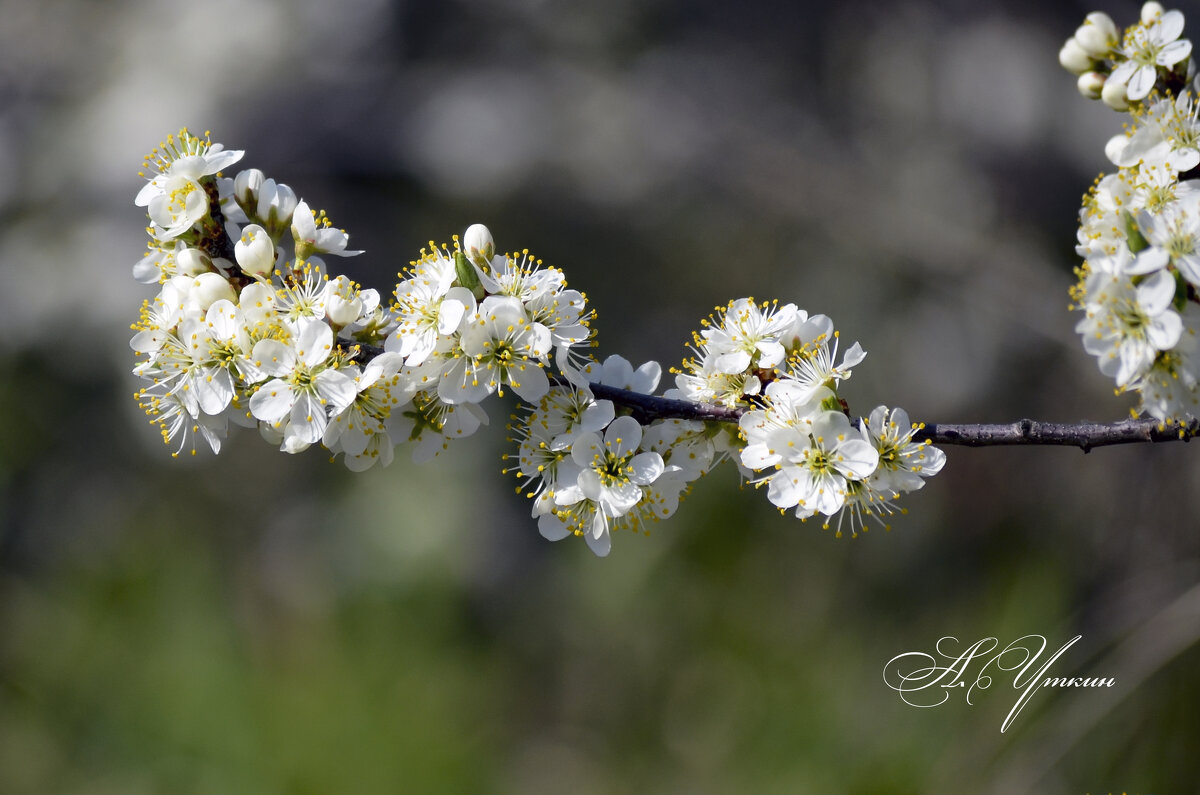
263 623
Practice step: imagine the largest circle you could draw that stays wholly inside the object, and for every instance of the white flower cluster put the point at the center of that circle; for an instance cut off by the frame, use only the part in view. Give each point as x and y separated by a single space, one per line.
471 327
257 335
1122 70
782 366
590 472
1139 231
249 328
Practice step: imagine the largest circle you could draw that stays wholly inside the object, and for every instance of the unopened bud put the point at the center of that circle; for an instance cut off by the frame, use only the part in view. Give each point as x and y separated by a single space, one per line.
342 302
255 251
208 288
479 245
1091 84
1074 58
246 186
1151 11
1114 95
192 262
276 203
1097 35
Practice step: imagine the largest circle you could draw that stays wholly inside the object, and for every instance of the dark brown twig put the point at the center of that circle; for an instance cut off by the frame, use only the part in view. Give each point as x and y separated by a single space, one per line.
1084 435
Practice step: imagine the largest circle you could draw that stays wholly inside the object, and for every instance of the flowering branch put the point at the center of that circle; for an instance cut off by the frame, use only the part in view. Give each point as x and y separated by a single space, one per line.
250 328
1085 435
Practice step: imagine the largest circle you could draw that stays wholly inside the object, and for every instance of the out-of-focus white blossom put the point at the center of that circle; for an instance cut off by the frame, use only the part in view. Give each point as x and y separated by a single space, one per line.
1074 58
1139 231
1147 46
1098 35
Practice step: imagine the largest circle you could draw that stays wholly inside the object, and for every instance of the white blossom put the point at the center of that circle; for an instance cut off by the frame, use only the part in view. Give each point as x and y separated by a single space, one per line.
500 347
306 385
1126 325
175 198
313 234
1147 46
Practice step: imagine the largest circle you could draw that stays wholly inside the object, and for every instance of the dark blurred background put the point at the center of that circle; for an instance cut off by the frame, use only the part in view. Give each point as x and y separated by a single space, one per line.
264 623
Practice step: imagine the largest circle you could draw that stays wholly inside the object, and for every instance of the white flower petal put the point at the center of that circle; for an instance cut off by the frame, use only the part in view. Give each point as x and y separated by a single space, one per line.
219 159
770 352
274 358
857 458
315 341
1148 260
1142 81
337 389
599 540
552 528
1164 331
308 419
214 390
1123 71
1156 292
619 498
732 363
647 467
598 415
623 435
788 486
1169 27
829 494
148 341
1173 53
272 402
758 457
530 382
585 449
1189 267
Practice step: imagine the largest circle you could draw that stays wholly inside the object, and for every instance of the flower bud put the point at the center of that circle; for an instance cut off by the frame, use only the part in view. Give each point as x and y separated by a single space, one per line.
255 251
1097 35
276 203
246 186
192 262
1074 58
1114 95
342 302
1091 84
1151 11
208 288
479 245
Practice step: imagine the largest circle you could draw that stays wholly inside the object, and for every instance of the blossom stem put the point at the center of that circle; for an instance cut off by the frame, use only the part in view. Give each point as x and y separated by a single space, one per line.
217 243
1084 435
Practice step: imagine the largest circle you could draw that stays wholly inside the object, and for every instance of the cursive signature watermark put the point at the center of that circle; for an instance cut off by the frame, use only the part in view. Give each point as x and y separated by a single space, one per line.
926 680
